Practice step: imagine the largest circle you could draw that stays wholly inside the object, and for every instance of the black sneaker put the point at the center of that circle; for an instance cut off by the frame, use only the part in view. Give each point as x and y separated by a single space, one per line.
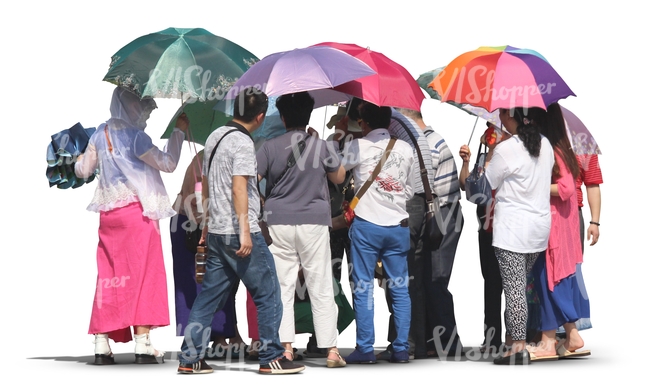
281 366
200 367
313 351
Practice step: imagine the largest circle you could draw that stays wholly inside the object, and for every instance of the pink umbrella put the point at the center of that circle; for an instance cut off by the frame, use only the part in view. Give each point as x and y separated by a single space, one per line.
392 85
581 139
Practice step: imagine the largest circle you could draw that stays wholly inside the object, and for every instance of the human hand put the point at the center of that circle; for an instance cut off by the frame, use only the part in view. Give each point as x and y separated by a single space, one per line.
246 245
593 233
340 128
182 122
204 234
465 153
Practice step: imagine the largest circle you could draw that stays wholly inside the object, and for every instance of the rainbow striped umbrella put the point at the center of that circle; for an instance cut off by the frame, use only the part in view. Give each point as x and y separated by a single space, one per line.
500 77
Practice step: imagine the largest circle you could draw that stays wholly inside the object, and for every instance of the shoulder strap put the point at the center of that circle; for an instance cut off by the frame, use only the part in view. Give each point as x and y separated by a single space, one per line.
428 132
429 195
217 146
375 172
108 140
238 127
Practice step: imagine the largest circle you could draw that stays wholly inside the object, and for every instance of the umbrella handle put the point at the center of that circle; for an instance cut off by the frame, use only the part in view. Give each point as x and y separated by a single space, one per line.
473 129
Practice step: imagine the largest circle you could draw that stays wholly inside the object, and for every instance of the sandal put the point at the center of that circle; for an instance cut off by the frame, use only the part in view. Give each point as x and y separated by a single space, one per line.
334 363
294 355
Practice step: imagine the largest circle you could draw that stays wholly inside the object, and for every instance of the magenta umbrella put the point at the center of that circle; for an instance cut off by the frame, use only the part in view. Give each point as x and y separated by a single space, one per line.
582 141
314 69
392 85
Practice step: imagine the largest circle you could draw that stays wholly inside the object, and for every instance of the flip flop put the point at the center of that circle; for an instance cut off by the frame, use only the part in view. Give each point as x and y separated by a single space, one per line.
563 353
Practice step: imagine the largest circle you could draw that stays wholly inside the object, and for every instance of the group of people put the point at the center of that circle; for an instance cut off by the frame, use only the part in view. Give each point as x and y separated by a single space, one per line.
391 160
536 225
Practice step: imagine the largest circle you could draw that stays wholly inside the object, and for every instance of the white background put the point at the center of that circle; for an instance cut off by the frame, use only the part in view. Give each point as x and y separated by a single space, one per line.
55 55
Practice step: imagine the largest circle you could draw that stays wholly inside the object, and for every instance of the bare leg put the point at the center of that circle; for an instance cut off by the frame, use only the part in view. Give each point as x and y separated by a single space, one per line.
288 351
573 340
142 329
546 346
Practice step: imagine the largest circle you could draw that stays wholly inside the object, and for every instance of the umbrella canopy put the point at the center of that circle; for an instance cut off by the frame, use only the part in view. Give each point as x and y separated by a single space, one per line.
501 77
312 69
203 120
424 81
177 61
207 116
582 141
391 85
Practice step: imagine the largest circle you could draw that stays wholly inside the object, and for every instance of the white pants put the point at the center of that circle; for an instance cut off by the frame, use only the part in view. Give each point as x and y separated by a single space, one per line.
307 246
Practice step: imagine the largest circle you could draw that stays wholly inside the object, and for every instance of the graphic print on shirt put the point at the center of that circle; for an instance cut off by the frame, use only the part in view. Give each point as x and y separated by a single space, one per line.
385 183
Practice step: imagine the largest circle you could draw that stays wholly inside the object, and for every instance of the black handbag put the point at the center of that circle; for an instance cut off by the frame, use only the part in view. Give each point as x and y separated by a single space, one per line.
192 237
477 188
432 232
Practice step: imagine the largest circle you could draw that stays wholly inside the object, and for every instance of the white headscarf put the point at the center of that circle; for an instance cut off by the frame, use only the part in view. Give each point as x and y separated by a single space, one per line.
129 111
125 177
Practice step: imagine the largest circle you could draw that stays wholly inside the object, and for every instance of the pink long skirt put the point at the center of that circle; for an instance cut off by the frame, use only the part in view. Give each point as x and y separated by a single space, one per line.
131 285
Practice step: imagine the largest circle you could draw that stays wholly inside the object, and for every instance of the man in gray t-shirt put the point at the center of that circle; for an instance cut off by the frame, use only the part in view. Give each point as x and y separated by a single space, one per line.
236 248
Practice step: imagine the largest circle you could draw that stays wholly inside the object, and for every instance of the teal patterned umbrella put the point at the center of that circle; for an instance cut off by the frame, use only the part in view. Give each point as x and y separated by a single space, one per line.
179 63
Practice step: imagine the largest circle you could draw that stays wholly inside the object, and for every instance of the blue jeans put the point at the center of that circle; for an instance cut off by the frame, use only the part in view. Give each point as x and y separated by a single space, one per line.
224 269
390 244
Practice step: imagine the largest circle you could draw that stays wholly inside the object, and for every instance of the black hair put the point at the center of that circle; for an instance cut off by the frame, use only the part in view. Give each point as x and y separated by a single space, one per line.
530 123
295 109
249 103
555 132
375 116
353 112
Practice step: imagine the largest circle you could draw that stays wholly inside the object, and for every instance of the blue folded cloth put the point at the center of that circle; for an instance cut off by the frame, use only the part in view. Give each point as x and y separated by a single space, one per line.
62 153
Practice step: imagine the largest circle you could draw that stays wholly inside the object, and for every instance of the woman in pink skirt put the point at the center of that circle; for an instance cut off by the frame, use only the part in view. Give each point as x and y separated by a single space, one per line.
131 288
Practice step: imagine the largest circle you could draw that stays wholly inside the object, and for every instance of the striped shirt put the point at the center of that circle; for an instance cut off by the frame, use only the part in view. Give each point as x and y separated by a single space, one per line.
590 173
445 182
400 125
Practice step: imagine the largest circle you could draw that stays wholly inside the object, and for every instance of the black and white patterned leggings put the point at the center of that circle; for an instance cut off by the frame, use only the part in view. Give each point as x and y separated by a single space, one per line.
514 267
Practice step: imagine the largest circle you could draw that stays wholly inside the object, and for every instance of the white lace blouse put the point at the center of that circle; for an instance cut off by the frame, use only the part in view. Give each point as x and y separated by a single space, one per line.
129 169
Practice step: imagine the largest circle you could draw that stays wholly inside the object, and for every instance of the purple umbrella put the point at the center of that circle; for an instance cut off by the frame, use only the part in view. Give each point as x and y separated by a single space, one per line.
315 69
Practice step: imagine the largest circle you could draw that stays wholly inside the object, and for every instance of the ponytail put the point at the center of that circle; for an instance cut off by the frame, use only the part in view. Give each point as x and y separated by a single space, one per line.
530 122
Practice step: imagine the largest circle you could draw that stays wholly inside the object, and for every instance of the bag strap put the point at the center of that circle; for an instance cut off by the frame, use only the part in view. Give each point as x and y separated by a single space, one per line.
296 153
429 195
238 127
375 172
217 146
108 140
478 154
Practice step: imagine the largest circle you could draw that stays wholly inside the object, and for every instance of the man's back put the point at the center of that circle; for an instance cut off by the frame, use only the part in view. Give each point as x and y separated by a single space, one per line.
235 157
384 203
445 184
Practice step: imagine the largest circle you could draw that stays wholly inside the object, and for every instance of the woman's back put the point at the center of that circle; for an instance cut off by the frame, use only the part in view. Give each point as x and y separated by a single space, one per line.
522 183
301 196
